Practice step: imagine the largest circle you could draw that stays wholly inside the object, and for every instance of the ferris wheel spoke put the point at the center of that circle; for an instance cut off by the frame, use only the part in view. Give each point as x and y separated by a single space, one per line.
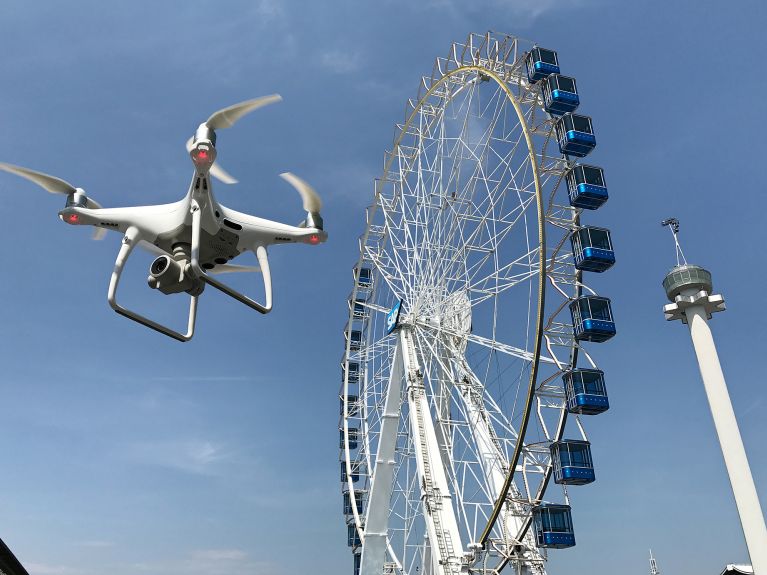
484 342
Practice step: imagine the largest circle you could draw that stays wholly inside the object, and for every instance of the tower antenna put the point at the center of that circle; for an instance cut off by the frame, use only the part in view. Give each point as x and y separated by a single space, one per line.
673 225
653 565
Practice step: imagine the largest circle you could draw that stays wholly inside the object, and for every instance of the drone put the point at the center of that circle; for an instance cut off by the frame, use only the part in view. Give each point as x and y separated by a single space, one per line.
196 237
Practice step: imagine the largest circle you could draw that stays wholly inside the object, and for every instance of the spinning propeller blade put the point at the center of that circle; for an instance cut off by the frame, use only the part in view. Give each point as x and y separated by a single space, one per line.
51 184
227 117
312 201
231 268
54 185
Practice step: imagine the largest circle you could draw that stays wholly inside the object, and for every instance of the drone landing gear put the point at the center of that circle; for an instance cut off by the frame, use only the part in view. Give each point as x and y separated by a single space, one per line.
263 261
130 240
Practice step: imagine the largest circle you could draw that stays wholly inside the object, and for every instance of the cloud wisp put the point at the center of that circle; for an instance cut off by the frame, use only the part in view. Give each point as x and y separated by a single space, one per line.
198 457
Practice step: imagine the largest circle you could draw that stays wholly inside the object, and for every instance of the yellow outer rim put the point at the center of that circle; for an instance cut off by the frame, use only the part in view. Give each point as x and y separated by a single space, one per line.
541 269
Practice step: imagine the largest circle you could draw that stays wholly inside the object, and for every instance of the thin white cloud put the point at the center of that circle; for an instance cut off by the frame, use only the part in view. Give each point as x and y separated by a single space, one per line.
96 544
204 378
191 456
341 61
45 569
210 562
518 12
219 555
269 9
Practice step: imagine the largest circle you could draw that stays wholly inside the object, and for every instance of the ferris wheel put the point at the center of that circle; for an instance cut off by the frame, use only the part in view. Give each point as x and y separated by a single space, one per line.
467 319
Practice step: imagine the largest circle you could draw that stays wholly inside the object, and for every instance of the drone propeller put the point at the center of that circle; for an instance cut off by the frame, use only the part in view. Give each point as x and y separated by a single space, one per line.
231 268
226 118
50 184
55 185
311 199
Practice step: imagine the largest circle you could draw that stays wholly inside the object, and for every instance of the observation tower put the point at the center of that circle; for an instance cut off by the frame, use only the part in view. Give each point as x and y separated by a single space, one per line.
689 288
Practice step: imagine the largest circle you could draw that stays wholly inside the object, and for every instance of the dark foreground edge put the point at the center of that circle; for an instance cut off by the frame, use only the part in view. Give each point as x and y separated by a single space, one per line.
9 565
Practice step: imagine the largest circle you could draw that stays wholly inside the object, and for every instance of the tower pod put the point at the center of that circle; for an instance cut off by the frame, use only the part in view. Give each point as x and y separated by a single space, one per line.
560 94
575 135
572 462
553 526
586 187
592 249
540 63
592 318
585 391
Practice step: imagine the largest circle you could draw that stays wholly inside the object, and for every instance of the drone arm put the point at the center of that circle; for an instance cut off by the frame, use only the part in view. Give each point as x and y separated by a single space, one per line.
263 260
131 239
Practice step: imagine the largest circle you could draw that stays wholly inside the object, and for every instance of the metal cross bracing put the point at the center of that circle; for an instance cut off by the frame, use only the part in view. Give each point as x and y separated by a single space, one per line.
469 227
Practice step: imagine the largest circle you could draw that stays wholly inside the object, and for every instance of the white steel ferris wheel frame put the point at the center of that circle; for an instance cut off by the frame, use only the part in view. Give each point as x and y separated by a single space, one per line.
402 418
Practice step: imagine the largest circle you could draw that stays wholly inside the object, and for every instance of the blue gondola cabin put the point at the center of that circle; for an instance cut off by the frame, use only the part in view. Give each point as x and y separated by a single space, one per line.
540 63
353 372
364 278
553 526
586 187
353 536
358 308
354 338
592 318
353 405
585 391
575 135
592 249
560 94
348 503
353 438
571 459
356 467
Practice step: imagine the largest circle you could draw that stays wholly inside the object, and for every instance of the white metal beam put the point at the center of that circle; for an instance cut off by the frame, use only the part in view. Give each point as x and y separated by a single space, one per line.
439 514
377 515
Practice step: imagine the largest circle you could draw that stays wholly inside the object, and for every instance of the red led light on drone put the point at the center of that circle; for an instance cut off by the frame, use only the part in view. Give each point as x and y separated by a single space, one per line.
73 218
314 239
202 155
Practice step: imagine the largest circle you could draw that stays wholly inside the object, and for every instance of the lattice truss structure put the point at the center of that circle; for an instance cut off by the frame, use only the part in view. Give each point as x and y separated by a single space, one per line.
469 229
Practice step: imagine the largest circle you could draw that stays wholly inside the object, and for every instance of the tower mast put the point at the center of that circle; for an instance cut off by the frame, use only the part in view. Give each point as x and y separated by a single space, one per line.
689 289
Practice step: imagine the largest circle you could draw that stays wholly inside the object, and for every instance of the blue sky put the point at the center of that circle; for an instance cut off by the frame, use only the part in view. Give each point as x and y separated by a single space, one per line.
127 452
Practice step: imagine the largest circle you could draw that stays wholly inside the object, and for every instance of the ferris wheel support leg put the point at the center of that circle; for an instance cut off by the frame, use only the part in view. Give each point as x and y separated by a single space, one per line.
377 518
494 466
438 511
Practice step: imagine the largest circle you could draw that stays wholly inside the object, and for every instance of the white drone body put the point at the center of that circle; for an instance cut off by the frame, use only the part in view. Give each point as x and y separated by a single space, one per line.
196 237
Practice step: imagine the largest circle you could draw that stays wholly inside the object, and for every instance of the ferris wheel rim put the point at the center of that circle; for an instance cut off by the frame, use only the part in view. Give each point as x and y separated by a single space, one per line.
541 308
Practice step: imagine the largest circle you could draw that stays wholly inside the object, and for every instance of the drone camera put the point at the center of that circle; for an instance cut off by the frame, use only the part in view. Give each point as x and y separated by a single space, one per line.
170 276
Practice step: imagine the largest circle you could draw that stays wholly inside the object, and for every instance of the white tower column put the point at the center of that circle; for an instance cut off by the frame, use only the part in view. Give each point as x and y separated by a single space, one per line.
688 287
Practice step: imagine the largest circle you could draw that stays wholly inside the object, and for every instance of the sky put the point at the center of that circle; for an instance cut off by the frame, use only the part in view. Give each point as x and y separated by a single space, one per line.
127 452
